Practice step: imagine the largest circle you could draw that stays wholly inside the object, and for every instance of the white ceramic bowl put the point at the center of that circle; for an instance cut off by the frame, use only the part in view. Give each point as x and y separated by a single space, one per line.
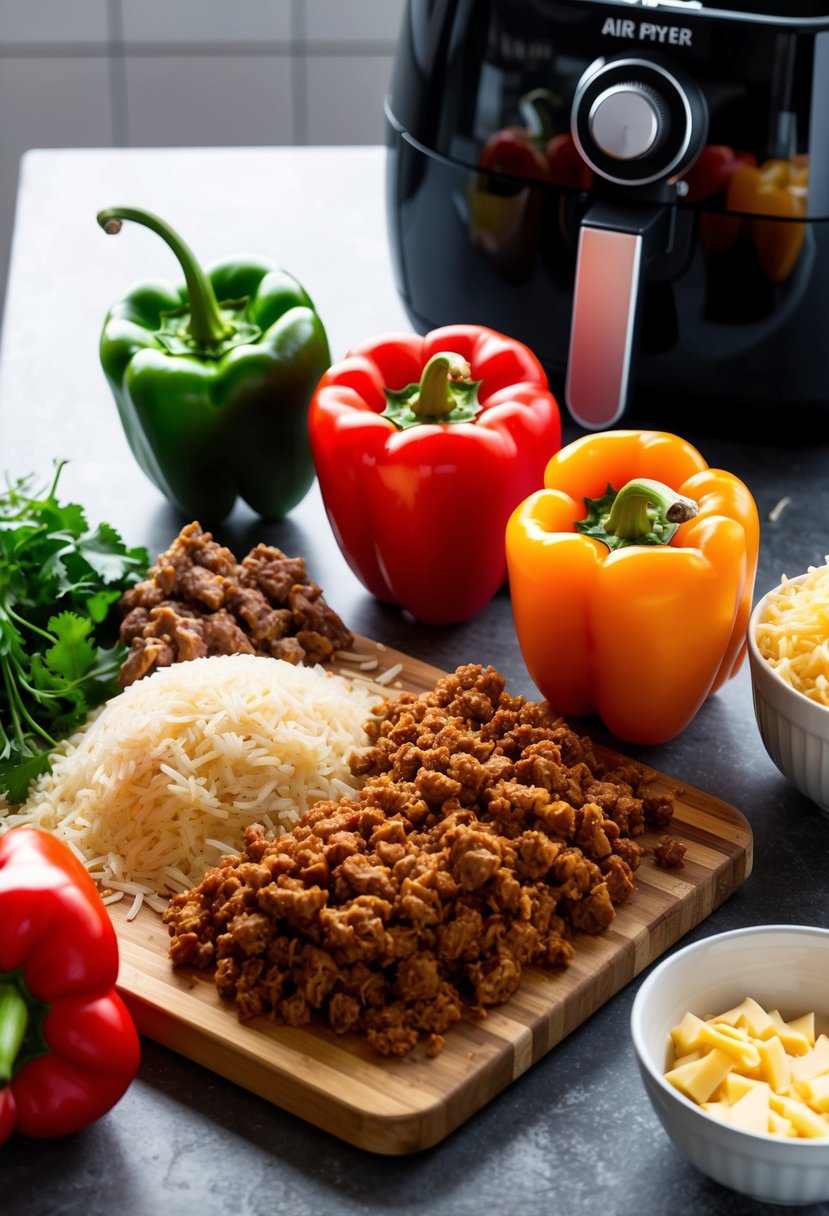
794 729
784 967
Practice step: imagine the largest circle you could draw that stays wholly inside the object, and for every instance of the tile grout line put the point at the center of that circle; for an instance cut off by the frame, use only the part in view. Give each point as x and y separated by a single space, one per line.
299 74
117 75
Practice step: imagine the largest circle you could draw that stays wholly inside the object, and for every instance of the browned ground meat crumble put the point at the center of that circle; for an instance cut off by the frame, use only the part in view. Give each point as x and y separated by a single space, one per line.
669 852
198 600
485 834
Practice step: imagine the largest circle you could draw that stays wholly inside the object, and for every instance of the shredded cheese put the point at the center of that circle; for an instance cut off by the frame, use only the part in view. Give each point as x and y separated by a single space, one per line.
793 635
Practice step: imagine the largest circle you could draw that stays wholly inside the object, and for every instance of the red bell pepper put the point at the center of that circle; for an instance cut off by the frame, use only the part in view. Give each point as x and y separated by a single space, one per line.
712 171
708 180
519 151
68 1046
566 164
423 447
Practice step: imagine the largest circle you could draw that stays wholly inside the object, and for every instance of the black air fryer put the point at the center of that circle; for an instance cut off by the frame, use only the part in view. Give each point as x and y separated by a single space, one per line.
638 191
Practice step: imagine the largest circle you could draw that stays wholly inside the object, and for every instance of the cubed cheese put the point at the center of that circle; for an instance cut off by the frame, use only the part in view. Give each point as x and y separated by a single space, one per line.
751 1112
686 1035
813 1063
736 1085
775 1064
803 1118
816 1092
795 1041
699 1079
732 1040
805 1025
778 1126
748 1014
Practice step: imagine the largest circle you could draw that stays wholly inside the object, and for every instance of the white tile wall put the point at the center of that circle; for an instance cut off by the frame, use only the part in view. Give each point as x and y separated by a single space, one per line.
162 73
349 21
206 21
345 98
53 21
46 102
205 100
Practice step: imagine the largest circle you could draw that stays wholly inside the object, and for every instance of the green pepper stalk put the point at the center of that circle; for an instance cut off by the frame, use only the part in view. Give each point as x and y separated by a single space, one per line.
445 393
206 327
643 512
213 379
534 108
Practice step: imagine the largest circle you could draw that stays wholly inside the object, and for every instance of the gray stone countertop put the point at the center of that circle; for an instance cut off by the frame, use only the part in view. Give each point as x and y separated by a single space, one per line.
576 1133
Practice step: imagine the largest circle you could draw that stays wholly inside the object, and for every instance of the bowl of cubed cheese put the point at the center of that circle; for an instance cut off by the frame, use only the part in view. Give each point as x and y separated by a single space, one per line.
732 1039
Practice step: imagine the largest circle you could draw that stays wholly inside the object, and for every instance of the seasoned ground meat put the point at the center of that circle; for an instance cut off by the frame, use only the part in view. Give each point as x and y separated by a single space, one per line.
199 600
485 834
669 852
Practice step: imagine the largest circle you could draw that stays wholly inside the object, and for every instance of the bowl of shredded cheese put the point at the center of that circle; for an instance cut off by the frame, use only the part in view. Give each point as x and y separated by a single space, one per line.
788 648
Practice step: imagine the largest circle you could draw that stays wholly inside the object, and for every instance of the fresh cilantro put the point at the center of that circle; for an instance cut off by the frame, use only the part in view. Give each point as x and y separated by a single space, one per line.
59 581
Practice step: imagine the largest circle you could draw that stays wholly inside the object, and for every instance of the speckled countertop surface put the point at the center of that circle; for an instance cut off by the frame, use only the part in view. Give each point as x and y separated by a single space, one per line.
576 1133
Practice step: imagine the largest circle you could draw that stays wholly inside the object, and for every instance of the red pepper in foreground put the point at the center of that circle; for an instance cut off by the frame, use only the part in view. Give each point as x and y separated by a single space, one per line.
423 447
68 1046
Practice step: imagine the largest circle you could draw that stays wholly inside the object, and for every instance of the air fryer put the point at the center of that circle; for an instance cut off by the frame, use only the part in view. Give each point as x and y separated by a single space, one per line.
638 191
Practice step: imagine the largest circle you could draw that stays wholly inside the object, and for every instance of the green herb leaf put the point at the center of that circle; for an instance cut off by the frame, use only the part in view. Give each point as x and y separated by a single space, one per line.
58 581
106 553
72 655
17 775
99 604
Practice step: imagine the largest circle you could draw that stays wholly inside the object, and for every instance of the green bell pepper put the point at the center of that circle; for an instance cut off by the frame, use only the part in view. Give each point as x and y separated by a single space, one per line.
213 397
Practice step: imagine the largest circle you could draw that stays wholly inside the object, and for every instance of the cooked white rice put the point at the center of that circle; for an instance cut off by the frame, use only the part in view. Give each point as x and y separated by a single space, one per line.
171 771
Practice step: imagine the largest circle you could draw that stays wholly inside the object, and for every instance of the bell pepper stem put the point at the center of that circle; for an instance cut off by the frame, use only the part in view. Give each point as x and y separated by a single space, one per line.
534 108
434 398
206 325
638 502
14 1019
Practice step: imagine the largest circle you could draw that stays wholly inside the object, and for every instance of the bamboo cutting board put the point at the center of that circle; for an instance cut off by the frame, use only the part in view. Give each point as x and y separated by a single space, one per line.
393 1107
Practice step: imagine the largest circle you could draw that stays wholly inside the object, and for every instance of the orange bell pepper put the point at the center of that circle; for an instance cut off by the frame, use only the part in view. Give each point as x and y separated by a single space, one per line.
777 188
643 632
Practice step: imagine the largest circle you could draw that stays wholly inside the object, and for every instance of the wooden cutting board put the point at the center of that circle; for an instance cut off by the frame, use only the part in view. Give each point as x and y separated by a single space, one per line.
386 1106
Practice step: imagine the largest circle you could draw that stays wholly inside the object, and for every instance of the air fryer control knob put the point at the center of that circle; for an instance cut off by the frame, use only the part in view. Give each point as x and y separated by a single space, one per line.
638 121
626 120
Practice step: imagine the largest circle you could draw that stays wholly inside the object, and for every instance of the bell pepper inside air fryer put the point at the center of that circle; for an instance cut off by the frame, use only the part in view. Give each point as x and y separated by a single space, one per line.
423 446
631 577
68 1046
777 188
213 377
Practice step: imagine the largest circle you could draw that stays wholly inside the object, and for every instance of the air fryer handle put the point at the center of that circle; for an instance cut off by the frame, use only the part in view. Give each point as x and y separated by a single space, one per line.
615 242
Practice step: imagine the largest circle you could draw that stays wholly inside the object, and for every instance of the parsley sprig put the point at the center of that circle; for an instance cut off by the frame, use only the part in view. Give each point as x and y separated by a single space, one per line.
59 580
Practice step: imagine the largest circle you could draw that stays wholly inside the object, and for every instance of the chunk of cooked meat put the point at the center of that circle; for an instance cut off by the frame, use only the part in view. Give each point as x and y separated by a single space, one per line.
199 600
669 852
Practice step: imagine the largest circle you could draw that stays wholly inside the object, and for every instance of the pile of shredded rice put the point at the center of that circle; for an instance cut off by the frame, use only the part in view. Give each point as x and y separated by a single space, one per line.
793 635
170 772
